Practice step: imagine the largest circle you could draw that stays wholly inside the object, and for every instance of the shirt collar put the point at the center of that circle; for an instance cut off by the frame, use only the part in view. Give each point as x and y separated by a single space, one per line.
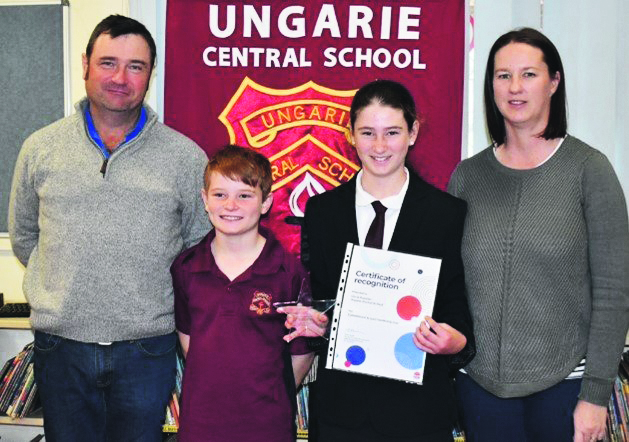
93 133
272 257
364 198
269 262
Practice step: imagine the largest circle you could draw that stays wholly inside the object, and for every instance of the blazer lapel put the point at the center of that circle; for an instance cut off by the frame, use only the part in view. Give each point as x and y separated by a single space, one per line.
411 221
346 210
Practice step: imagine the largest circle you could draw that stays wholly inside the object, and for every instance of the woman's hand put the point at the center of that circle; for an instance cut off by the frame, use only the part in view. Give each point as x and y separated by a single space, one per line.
305 321
439 338
589 422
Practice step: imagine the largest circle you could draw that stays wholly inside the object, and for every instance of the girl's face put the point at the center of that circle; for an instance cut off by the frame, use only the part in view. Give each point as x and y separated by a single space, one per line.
382 138
523 86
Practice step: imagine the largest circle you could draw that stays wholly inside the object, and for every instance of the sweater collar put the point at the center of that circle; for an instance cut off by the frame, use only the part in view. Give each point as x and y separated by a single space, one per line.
147 119
95 136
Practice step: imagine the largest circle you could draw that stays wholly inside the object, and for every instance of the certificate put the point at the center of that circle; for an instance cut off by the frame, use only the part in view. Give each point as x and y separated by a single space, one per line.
382 298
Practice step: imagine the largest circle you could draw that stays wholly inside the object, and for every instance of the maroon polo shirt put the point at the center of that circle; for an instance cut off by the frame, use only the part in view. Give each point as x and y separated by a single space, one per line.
238 382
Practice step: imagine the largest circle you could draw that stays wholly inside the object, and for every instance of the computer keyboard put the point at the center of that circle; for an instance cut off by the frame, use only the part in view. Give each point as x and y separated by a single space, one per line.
15 310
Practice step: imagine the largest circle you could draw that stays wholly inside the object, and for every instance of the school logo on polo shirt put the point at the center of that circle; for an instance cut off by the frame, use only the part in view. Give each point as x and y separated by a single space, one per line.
261 303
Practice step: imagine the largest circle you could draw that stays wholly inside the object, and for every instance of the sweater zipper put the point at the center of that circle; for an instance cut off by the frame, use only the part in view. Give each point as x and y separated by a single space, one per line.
103 168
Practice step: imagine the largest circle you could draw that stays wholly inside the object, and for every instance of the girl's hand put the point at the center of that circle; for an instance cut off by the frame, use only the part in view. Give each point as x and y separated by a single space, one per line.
438 338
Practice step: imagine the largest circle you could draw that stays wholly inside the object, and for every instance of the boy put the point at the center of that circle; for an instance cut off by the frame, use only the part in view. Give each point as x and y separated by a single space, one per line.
240 377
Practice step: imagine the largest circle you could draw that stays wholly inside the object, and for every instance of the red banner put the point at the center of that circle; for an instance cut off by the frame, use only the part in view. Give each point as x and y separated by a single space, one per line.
279 77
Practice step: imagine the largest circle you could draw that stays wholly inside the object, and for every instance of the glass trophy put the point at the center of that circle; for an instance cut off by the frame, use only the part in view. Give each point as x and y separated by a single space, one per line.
305 299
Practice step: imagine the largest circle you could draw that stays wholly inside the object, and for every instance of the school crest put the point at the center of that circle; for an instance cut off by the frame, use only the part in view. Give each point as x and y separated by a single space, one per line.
261 303
304 132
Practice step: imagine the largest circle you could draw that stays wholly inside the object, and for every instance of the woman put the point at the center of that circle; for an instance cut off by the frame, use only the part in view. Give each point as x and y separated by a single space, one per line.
419 219
546 254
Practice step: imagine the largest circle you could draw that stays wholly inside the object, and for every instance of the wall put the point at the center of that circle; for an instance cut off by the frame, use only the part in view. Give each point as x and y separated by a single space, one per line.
593 44
588 35
11 272
83 17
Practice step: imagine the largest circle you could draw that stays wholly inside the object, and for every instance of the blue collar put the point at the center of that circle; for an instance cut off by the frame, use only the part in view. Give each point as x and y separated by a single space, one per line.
93 133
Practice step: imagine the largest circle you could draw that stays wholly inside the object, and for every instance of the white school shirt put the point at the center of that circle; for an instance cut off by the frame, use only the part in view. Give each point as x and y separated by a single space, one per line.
365 212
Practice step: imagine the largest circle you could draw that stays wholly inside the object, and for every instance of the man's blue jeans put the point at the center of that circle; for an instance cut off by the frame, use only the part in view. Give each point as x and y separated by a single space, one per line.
97 393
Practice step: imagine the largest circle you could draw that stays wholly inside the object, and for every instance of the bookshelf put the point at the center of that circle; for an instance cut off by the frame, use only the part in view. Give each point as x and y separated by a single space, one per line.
15 323
34 420
172 413
15 333
618 408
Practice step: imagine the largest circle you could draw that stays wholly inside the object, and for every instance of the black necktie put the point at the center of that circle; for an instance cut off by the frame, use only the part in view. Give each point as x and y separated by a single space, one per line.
376 230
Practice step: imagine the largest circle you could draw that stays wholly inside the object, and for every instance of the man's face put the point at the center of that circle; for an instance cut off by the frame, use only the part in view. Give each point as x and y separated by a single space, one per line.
117 73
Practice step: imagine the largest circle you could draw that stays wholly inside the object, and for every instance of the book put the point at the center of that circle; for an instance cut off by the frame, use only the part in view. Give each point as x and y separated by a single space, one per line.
18 385
18 403
382 298
616 418
31 402
174 408
5 368
14 377
302 408
623 409
171 419
617 424
7 371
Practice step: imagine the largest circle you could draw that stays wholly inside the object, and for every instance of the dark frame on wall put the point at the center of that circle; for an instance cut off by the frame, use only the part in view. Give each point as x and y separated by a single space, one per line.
33 67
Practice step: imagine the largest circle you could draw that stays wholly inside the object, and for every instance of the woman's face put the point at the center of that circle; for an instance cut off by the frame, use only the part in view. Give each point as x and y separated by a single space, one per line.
523 86
382 138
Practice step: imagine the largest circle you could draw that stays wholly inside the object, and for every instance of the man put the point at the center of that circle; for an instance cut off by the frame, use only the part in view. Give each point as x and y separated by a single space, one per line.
102 202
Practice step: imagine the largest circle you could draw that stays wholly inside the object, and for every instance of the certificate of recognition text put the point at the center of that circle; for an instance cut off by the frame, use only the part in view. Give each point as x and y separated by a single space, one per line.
382 298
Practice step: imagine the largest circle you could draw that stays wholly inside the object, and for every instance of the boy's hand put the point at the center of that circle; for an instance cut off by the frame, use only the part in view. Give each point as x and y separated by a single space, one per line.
439 338
305 321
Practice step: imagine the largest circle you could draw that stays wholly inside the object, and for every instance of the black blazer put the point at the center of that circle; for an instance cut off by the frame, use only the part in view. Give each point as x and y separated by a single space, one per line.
430 224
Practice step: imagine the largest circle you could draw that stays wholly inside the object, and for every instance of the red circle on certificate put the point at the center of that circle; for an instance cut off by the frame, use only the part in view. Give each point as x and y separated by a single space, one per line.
408 307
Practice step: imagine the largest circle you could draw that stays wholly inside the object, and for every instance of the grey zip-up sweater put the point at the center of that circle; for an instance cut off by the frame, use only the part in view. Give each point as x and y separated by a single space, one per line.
546 254
98 246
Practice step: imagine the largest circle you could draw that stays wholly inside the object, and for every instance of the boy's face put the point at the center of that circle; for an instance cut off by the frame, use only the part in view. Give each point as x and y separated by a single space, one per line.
233 206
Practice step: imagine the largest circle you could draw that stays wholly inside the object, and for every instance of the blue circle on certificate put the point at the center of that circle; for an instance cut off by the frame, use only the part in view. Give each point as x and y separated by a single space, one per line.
355 355
407 353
